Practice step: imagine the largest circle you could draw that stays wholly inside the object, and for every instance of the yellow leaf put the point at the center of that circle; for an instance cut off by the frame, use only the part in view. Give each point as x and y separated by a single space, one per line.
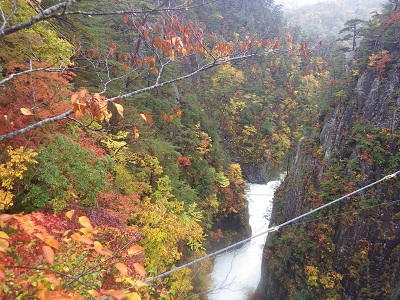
122 268
93 293
85 222
133 296
86 231
135 249
120 109
97 244
48 254
139 283
69 214
98 247
4 235
26 111
3 245
139 269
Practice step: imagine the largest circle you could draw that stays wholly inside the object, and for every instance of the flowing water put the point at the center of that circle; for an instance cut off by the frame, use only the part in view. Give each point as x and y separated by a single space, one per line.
236 274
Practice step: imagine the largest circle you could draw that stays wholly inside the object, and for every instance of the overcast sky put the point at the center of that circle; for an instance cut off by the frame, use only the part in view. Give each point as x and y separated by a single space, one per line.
296 3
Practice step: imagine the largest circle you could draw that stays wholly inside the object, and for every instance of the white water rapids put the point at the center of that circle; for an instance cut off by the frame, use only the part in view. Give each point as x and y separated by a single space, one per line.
236 274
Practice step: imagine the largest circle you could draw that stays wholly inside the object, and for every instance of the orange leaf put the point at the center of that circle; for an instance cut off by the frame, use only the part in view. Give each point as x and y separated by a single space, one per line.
52 242
85 240
276 45
75 236
120 109
135 249
126 19
139 269
170 118
164 116
85 222
136 132
5 217
52 279
26 111
178 112
148 118
139 63
117 294
3 275
122 268
113 48
268 43
48 254
259 44
98 247
126 67
145 34
103 251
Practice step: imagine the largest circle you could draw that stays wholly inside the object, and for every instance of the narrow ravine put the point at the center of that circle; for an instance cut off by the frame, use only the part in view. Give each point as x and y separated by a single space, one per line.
236 274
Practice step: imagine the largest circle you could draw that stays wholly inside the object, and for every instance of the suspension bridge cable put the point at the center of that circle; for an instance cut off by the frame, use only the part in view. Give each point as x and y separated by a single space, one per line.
274 228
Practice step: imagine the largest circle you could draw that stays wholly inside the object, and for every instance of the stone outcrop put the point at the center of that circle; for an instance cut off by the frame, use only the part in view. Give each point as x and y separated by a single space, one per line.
352 255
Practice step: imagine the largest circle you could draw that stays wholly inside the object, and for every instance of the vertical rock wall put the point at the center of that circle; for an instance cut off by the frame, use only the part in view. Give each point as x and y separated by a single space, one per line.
352 250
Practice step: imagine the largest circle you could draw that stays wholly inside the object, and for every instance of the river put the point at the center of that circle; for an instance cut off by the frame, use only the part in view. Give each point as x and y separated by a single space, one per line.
236 274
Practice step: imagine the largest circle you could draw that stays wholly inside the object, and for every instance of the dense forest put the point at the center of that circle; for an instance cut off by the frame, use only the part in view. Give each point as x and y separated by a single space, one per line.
129 128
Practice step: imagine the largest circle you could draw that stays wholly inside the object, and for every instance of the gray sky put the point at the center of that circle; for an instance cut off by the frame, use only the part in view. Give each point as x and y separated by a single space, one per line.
296 3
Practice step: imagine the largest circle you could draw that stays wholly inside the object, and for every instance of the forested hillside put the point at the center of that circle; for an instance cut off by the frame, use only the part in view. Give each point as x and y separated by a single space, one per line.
128 130
351 249
123 130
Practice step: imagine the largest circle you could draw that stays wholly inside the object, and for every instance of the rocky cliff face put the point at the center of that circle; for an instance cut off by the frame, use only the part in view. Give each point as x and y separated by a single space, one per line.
351 250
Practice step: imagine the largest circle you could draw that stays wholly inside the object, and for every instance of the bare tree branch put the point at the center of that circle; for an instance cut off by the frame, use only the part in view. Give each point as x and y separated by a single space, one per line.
31 70
66 114
52 12
44 15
